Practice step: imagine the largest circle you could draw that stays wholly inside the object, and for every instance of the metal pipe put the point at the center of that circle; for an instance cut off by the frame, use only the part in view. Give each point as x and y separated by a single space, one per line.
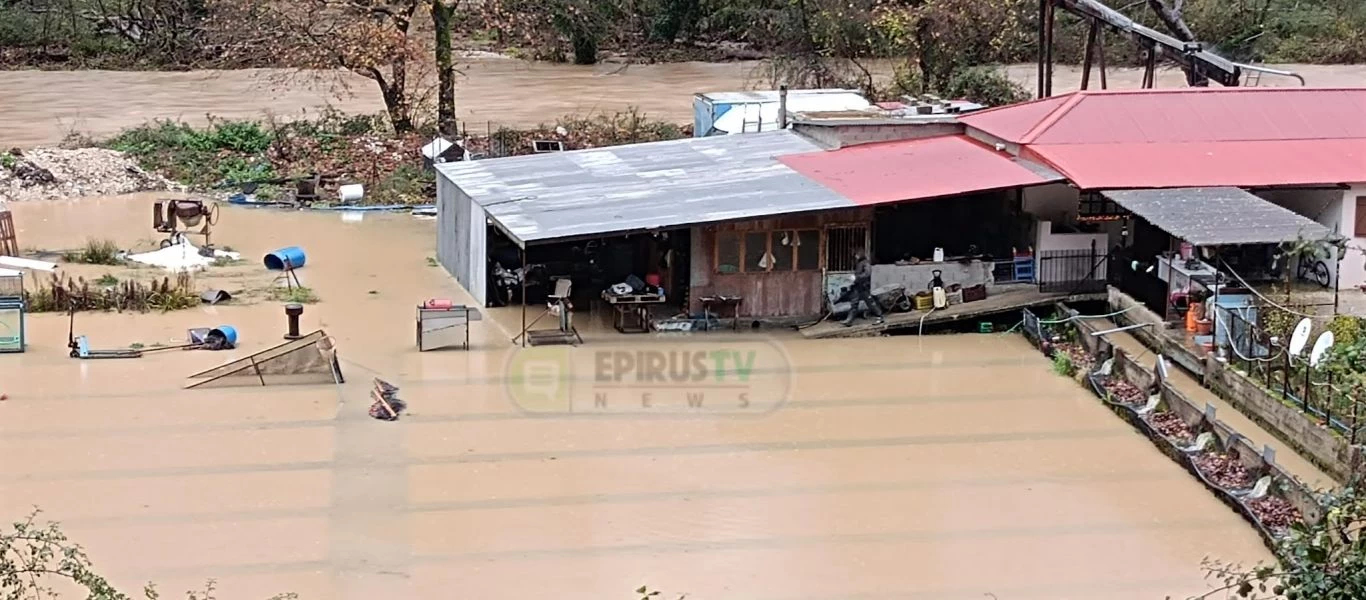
1271 71
523 297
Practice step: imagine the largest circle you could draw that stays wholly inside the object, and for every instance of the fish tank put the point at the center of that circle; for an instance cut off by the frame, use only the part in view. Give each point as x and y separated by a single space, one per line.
11 325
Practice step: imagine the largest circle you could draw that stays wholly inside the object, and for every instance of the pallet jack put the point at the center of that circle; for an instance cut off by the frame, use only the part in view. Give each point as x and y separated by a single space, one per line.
80 345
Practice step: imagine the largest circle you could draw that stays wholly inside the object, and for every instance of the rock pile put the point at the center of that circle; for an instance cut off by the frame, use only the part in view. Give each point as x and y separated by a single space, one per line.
52 173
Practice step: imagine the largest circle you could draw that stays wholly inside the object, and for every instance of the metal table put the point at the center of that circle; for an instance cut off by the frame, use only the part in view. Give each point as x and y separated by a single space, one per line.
631 312
710 303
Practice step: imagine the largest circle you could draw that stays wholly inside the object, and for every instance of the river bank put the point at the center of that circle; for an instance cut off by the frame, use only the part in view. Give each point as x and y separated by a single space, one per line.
45 107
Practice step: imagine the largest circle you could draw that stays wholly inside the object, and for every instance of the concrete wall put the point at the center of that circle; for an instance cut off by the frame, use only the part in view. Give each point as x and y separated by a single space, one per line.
1045 240
1326 450
461 238
916 278
853 134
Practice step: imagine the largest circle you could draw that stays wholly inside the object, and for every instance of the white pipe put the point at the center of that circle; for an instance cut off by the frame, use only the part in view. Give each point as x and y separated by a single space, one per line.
1119 329
27 263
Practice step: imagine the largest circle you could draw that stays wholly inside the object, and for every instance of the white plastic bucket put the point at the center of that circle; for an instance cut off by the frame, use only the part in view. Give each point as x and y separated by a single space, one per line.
351 193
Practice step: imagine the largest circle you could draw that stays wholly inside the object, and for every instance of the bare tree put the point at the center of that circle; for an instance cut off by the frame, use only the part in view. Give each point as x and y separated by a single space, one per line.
443 12
371 38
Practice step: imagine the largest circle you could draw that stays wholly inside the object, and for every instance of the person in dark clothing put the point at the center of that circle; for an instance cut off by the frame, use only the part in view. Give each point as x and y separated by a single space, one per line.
863 299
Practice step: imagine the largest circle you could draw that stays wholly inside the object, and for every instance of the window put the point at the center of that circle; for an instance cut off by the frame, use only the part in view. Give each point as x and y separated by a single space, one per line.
727 252
841 243
1361 216
808 250
784 250
756 249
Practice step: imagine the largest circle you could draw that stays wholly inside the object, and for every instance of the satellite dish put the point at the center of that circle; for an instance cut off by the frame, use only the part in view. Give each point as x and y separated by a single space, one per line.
1320 348
1301 337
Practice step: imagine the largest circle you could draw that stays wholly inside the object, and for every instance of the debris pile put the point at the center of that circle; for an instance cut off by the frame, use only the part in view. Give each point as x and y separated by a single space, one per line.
1171 425
51 173
1275 513
387 405
1122 391
1225 470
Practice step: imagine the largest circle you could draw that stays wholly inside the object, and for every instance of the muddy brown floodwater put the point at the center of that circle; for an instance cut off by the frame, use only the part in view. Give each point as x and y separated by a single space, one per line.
41 107
948 467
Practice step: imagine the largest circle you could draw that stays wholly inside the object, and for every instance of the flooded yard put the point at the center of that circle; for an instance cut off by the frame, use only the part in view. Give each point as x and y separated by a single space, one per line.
944 467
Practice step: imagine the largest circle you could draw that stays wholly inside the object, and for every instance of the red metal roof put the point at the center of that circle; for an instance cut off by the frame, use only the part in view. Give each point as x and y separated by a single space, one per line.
917 169
1179 115
1206 164
1191 137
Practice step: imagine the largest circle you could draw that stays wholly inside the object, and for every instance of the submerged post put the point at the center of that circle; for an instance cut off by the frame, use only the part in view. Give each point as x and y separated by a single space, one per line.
292 312
782 108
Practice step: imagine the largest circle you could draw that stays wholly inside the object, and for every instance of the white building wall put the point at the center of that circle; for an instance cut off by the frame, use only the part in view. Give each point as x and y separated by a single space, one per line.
1353 266
1336 210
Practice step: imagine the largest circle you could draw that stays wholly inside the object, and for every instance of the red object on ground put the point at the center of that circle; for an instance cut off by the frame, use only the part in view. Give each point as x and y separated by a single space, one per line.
4 397
919 169
1190 137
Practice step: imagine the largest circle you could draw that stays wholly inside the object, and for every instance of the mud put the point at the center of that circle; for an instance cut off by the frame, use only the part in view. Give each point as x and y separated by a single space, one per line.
42 107
944 467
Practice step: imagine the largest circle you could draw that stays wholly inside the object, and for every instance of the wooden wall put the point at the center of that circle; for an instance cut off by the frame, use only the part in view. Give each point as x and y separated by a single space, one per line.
785 294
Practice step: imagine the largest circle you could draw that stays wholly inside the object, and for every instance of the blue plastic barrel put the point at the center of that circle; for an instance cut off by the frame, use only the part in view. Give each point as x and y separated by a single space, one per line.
227 331
276 260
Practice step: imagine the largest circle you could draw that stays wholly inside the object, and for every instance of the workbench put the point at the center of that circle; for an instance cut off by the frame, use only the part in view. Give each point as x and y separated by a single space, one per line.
710 303
445 327
631 312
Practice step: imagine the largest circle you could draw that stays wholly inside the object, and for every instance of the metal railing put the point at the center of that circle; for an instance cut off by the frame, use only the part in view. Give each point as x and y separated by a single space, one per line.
1266 360
1073 271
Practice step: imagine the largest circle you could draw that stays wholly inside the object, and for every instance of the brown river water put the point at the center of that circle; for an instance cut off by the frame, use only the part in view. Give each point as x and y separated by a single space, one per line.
42 107
948 467
944 467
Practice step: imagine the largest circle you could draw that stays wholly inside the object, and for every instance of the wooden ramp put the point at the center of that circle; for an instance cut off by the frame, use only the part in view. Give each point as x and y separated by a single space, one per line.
311 359
1005 299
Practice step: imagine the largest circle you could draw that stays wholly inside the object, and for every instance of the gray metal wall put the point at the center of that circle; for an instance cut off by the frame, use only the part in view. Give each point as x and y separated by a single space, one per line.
461 238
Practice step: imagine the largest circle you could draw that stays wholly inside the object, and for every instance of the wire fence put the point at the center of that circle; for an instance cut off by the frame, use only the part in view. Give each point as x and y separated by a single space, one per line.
1267 360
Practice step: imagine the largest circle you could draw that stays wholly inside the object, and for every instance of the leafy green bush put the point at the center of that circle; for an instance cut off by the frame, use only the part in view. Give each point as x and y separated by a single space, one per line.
1063 365
95 252
985 85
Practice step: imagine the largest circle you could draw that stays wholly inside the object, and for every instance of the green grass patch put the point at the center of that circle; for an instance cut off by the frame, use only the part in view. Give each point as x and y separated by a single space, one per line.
300 295
95 252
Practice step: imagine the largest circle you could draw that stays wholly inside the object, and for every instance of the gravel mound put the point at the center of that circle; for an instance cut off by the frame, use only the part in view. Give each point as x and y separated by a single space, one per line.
53 173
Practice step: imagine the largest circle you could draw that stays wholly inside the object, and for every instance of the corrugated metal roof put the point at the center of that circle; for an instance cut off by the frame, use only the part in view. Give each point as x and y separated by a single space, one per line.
1013 121
1180 115
1218 216
1242 164
1191 137
917 169
638 187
